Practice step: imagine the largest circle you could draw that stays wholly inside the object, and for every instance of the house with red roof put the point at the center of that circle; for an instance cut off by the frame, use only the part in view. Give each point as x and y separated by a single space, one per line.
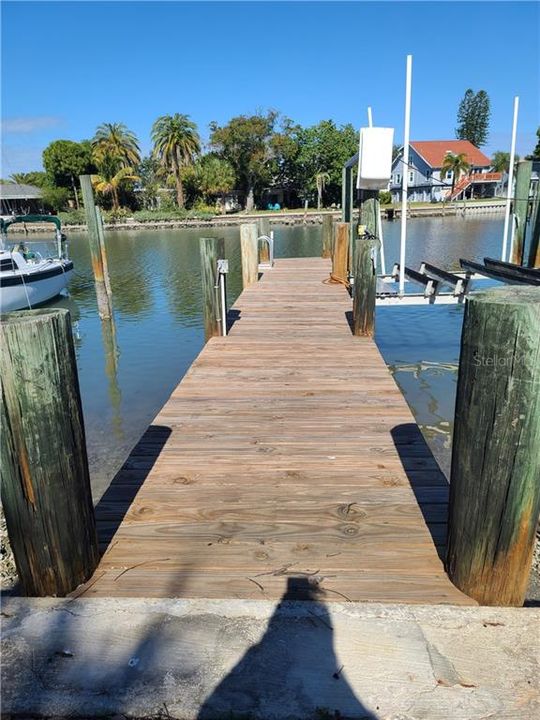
426 159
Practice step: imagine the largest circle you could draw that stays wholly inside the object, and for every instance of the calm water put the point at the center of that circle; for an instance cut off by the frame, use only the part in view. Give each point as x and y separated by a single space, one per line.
158 312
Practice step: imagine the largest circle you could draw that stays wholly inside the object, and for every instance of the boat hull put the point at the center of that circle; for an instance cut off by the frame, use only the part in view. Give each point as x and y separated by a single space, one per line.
34 291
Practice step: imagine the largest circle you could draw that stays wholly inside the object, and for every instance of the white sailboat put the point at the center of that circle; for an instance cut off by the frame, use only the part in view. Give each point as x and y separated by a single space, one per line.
28 278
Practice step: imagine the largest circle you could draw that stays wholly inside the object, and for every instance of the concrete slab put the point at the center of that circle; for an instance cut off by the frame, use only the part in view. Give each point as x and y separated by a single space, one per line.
204 659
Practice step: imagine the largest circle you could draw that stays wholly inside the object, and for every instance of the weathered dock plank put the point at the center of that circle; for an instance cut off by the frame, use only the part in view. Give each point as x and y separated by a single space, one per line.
286 450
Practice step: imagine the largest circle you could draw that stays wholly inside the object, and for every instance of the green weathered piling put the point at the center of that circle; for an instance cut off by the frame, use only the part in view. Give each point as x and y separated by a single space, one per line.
212 250
97 248
365 286
45 480
495 488
521 209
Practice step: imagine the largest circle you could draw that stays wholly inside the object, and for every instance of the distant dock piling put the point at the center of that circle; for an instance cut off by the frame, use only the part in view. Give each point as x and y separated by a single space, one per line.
494 488
97 249
521 209
327 232
45 479
340 254
250 253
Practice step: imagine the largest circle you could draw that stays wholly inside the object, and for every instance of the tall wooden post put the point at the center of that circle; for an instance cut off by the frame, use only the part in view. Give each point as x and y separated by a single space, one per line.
534 245
103 250
340 257
495 488
264 250
365 285
212 250
45 480
521 208
250 254
327 228
96 251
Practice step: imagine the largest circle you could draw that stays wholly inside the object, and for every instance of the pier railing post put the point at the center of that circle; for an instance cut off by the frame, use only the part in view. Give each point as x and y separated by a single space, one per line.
327 229
521 208
250 254
534 244
264 249
494 487
340 255
212 250
97 248
45 479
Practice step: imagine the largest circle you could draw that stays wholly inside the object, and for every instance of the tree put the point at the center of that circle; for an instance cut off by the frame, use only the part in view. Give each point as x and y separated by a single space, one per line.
111 176
36 178
116 141
500 161
245 142
456 164
176 144
214 176
473 117
321 178
536 152
64 161
150 174
54 197
324 148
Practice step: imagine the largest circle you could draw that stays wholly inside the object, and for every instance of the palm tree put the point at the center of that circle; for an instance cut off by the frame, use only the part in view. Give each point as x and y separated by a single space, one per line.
111 176
321 178
116 141
176 143
456 164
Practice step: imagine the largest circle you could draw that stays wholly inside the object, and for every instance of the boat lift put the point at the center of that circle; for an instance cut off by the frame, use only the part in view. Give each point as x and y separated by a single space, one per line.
430 279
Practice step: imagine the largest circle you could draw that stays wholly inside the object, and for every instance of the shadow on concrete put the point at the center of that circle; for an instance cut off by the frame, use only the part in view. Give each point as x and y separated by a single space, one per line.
292 668
427 480
117 499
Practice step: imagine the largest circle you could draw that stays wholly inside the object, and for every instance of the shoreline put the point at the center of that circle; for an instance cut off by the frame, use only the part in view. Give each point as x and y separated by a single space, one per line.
292 217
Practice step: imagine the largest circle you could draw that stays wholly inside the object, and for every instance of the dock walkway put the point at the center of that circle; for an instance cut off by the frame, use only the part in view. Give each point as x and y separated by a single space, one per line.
287 451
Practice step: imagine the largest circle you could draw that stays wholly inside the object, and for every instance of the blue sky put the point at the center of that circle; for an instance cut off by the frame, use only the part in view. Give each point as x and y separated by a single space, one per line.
66 67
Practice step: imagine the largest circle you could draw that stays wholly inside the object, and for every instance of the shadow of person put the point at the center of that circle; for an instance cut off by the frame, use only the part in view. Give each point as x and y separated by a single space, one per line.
292 671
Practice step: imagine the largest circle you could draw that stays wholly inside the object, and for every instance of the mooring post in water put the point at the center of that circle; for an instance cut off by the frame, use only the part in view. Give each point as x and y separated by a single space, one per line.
250 254
97 248
212 250
327 231
364 264
264 248
521 209
534 245
340 256
494 487
45 480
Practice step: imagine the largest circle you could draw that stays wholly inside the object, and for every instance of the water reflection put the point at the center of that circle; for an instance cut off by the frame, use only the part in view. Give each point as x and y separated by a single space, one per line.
128 372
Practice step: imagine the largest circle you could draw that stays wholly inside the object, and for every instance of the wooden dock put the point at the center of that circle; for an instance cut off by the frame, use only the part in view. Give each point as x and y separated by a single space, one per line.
287 450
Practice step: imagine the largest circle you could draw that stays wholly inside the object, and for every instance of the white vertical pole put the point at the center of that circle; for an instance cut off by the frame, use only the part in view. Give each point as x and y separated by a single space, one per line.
510 180
405 178
380 234
369 117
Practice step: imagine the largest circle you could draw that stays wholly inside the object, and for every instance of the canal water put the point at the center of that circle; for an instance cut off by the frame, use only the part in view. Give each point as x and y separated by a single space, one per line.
155 276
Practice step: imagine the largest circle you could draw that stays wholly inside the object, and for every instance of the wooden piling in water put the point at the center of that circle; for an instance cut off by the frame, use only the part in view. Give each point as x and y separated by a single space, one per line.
212 249
340 256
250 254
264 250
45 480
365 286
494 488
521 208
534 245
327 231
97 248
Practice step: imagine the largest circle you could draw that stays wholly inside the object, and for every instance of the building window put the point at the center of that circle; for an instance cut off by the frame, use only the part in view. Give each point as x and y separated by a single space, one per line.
449 174
411 176
398 179
428 174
